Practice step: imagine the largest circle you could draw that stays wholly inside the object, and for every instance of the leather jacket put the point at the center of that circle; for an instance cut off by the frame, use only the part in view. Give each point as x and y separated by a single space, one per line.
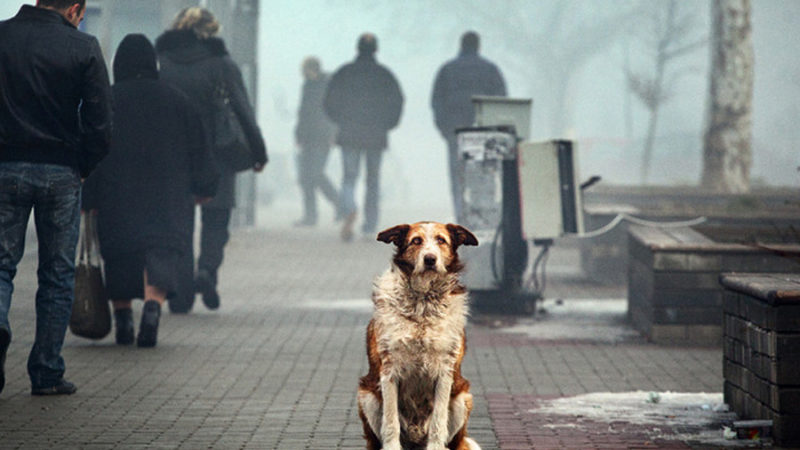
55 98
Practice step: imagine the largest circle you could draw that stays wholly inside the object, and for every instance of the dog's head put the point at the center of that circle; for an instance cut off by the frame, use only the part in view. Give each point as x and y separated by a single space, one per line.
427 247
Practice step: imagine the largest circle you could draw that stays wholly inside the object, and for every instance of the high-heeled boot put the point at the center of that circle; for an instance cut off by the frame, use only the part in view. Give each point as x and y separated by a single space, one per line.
148 328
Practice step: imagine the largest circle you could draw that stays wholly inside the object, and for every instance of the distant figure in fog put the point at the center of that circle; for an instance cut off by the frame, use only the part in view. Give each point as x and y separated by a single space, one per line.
144 191
364 100
314 135
197 62
55 126
457 81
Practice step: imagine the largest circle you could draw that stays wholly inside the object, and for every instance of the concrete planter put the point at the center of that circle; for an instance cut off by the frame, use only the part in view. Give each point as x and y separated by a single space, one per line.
762 350
674 295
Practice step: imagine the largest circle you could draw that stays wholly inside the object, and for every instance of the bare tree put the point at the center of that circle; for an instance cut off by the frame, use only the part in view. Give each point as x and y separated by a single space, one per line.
671 32
727 154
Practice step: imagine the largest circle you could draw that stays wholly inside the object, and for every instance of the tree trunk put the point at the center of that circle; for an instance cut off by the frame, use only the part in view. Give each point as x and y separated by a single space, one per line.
727 155
647 155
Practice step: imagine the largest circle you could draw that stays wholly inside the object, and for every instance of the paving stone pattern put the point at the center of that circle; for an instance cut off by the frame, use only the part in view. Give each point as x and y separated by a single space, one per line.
277 365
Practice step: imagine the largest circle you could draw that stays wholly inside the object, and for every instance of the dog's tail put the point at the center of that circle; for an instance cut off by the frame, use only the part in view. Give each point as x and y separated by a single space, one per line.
472 444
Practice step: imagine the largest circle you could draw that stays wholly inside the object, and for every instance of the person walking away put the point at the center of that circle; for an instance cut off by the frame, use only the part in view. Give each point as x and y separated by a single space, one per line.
314 134
144 192
456 82
364 100
55 126
196 61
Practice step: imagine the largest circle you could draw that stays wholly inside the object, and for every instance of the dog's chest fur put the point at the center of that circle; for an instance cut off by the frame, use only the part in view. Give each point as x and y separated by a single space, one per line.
419 326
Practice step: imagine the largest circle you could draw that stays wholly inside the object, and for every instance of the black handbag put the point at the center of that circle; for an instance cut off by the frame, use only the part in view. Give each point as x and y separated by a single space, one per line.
91 314
231 148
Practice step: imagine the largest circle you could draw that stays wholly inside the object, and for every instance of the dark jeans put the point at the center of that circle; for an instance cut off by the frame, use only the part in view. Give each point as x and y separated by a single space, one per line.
311 175
53 192
351 162
456 176
213 237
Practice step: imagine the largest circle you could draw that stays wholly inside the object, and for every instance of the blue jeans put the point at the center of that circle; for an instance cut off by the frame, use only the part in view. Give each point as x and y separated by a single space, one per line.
53 192
351 161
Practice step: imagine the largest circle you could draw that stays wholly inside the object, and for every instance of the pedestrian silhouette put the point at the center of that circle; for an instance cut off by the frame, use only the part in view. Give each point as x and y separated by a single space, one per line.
55 126
365 101
456 82
314 135
196 61
144 191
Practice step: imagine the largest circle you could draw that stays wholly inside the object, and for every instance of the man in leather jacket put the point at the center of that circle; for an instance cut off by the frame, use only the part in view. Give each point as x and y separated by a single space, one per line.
55 126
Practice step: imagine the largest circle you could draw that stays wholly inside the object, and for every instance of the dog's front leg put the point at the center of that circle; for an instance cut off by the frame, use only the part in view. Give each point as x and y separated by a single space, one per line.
390 429
438 433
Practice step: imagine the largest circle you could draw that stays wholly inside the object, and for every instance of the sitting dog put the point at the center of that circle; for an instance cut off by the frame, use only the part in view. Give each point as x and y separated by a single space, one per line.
414 395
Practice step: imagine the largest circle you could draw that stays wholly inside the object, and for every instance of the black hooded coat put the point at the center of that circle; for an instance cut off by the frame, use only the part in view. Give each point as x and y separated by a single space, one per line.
198 67
159 161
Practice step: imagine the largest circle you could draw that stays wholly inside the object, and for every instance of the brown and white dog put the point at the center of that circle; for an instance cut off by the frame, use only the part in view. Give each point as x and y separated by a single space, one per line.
414 395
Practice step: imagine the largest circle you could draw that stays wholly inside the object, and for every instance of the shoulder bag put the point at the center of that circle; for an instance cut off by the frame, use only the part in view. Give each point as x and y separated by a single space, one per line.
231 148
91 314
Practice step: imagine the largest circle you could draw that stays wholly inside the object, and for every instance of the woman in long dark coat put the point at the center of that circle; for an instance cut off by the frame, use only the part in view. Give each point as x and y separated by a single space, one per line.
144 191
196 61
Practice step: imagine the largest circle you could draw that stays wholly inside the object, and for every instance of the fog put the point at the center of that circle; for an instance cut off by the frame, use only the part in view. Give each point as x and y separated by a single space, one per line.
415 37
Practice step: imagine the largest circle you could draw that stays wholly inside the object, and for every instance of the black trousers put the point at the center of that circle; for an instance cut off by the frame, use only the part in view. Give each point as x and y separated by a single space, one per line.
213 237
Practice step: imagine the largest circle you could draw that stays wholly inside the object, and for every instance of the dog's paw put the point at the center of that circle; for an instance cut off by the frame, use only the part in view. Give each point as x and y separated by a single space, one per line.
393 445
435 446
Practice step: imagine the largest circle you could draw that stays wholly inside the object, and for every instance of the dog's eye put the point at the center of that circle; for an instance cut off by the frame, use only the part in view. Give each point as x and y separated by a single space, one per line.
416 241
441 240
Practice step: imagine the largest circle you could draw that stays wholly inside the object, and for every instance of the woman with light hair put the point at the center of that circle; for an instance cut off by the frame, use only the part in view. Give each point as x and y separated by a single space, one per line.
197 62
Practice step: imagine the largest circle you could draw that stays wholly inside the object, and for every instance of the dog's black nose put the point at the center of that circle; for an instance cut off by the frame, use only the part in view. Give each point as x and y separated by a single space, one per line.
430 260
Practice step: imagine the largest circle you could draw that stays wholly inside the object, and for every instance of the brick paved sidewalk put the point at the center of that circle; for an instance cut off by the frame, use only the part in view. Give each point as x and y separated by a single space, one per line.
277 365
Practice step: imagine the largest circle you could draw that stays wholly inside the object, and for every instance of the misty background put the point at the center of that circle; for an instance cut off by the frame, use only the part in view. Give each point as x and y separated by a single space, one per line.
535 43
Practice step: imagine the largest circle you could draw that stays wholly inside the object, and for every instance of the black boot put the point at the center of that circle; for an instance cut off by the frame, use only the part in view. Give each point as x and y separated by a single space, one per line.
148 328
123 318
206 285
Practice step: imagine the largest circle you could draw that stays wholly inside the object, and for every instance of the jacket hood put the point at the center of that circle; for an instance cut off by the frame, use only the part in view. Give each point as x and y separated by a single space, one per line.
185 46
135 58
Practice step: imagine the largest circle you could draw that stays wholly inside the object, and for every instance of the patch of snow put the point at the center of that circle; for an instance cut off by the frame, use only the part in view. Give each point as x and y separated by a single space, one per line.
698 415
597 320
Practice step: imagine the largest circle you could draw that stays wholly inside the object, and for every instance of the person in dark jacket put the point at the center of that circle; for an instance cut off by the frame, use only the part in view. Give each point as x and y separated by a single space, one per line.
55 126
144 191
314 135
196 61
365 101
457 81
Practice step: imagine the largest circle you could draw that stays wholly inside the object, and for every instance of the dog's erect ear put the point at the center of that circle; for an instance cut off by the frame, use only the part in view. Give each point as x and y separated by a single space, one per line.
395 235
461 236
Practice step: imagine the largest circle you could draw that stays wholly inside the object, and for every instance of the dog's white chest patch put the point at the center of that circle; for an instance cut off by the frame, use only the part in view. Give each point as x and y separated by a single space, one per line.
425 343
